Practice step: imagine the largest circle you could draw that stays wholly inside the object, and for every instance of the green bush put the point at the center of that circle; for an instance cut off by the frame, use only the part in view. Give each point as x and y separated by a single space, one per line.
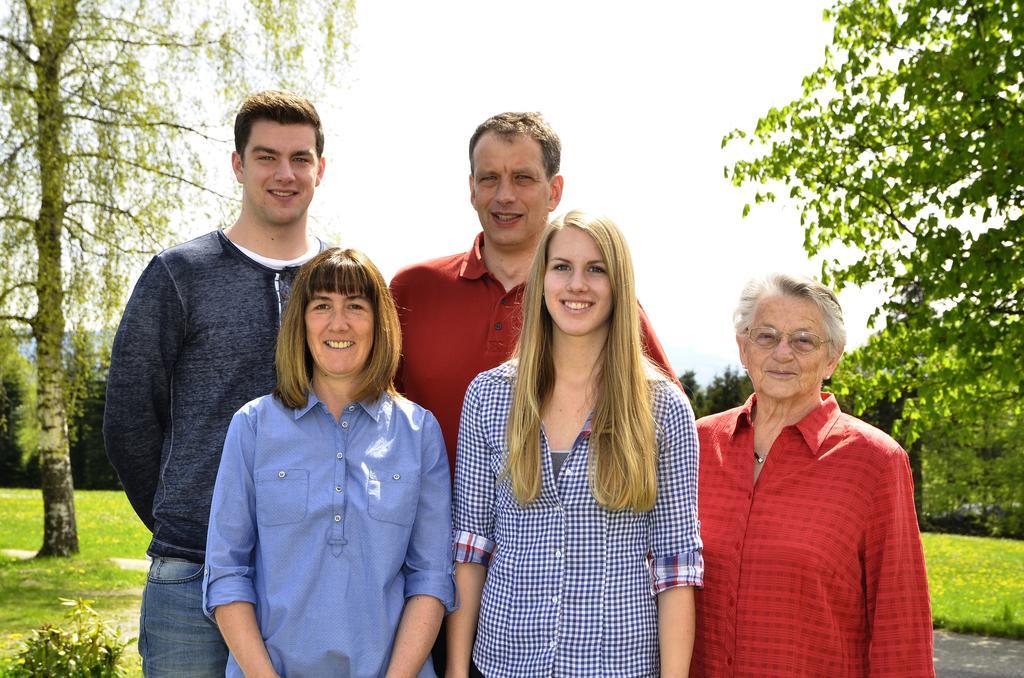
83 646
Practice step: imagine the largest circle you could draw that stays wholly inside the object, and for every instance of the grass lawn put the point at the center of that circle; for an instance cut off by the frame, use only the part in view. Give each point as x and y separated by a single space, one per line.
30 589
976 583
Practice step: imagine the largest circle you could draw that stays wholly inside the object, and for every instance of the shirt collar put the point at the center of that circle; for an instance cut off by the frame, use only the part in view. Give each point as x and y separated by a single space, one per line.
473 266
372 406
818 423
814 427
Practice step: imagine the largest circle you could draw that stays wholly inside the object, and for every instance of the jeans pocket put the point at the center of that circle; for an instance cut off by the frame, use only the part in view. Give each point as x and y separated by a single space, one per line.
392 497
174 571
281 496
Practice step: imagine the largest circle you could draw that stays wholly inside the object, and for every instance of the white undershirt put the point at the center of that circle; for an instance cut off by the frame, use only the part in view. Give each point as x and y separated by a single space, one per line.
278 264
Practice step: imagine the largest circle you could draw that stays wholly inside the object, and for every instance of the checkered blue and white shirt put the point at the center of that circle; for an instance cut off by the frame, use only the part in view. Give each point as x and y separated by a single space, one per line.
570 588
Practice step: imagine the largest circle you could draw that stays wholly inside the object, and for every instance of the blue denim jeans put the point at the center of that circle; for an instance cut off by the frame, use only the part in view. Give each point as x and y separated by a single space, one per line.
175 637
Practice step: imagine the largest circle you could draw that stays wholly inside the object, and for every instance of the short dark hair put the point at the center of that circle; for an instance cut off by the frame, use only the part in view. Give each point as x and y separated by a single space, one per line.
338 271
283 108
533 125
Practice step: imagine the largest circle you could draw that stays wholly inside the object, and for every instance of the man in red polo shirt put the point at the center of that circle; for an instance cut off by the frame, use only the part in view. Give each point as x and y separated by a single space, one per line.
460 314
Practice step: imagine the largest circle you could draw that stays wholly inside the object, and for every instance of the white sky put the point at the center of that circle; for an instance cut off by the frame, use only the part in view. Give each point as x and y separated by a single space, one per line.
640 93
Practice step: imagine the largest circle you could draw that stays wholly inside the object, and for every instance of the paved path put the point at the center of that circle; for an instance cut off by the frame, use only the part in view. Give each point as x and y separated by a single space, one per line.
959 656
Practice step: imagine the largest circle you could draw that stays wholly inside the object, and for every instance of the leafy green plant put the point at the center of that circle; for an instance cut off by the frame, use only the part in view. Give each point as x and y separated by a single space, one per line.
83 646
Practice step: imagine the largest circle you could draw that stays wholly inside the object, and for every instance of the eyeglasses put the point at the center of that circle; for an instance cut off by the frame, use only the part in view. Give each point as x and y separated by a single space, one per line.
801 342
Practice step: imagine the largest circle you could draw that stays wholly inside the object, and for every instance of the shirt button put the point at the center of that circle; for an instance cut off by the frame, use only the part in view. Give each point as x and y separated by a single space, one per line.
554 599
558 553
497 326
552 644
337 519
281 474
504 302
351 408
731 601
344 424
341 455
728 661
338 488
397 476
736 546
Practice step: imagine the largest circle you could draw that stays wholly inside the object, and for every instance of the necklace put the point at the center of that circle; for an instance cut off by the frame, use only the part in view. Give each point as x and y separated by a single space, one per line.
758 458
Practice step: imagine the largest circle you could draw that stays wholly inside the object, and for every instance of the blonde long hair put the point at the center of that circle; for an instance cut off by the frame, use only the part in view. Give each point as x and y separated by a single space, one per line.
623 448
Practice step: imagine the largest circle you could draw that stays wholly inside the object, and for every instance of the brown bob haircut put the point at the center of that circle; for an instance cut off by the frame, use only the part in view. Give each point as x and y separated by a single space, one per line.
284 108
340 271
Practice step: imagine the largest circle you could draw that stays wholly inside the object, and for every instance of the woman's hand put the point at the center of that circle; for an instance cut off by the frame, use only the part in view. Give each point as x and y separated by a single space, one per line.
237 622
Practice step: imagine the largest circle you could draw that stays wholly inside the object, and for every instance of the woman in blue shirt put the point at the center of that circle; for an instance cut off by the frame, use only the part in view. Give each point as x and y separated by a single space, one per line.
576 536
329 547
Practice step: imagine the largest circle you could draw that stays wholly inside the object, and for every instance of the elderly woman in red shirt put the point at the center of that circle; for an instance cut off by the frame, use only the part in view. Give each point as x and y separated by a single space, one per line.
813 560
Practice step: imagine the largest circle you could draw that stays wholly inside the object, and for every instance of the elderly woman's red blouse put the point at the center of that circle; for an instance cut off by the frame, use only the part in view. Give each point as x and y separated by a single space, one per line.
817 570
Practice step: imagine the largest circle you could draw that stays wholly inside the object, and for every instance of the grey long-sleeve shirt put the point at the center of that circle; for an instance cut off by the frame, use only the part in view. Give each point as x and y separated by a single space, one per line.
196 342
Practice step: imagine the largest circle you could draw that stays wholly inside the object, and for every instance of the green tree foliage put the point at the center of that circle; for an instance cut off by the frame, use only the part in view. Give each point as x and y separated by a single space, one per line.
974 476
727 390
692 389
86 360
105 109
15 383
906 150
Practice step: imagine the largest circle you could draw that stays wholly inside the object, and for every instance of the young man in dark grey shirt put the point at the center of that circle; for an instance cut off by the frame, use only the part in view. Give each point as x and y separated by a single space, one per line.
196 342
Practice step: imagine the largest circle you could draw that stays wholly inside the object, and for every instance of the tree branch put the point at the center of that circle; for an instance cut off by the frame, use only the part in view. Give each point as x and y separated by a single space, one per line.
152 170
18 319
18 47
6 293
169 44
891 211
14 87
17 217
78 225
155 123
15 151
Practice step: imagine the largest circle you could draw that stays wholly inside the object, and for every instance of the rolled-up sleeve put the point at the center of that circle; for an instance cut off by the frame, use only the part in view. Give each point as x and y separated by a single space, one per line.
231 538
675 531
428 563
473 522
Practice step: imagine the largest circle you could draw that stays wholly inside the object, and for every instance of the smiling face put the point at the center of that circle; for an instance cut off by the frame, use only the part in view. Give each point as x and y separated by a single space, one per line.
781 376
510 191
339 334
279 172
577 289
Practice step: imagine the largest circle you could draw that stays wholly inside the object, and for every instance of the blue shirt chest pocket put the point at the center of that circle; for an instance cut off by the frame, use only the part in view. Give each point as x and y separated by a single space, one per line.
392 496
281 496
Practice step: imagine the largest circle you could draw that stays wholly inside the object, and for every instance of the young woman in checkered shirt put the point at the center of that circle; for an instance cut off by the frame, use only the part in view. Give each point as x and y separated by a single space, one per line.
577 543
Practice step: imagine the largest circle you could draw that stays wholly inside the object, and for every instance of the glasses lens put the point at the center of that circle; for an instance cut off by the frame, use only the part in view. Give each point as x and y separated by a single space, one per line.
804 342
765 337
